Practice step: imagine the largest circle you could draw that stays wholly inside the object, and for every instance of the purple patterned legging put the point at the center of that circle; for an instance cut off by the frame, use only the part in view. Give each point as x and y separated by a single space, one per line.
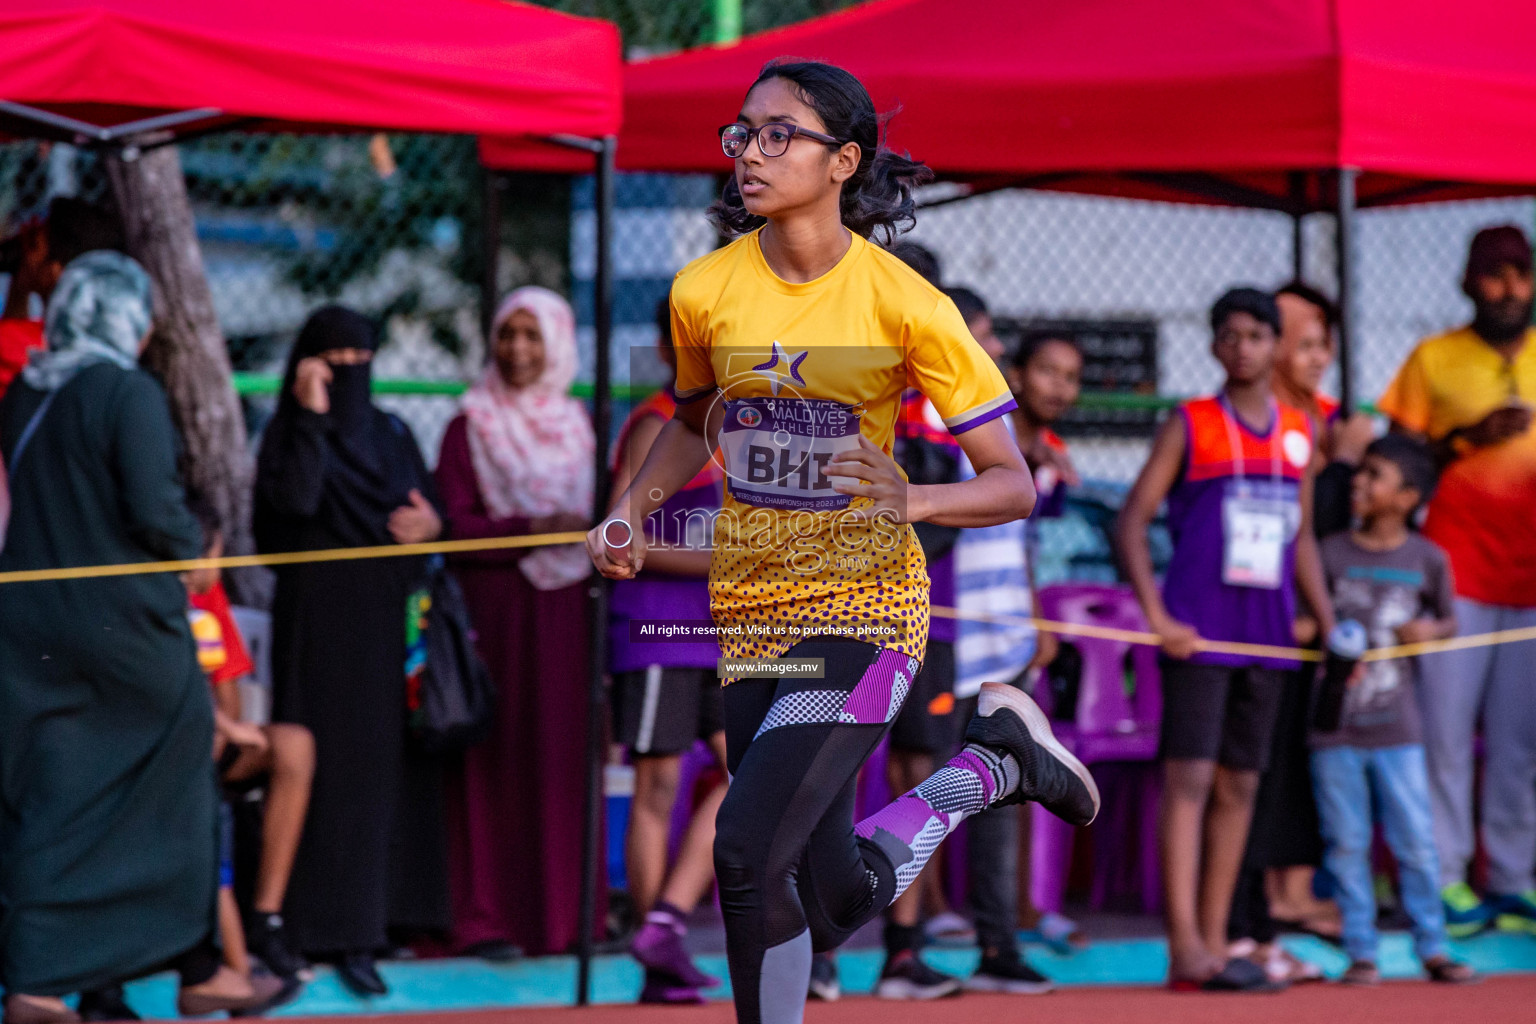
796 874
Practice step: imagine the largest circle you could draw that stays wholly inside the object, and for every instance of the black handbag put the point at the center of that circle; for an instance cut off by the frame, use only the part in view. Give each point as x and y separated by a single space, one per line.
450 697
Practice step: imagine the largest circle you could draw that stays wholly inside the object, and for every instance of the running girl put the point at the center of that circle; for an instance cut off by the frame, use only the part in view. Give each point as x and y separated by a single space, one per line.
794 345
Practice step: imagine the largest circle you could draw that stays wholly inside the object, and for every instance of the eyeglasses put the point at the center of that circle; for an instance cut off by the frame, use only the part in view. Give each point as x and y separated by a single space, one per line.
772 139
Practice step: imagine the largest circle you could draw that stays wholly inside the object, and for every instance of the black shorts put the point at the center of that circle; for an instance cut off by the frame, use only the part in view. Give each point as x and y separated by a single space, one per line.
1219 713
925 724
660 711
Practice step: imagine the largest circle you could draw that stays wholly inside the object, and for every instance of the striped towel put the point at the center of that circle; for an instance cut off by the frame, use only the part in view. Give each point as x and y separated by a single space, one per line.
991 577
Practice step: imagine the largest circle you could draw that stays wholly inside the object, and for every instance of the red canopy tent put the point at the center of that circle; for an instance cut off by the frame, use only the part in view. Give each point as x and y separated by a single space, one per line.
1159 99
100 69
1290 105
101 72
106 72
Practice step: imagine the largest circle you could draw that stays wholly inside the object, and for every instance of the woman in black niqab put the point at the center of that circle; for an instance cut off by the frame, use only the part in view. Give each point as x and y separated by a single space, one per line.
336 471
361 480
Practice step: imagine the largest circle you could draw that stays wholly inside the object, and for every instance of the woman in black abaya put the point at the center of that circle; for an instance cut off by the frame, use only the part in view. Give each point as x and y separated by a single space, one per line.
334 471
108 841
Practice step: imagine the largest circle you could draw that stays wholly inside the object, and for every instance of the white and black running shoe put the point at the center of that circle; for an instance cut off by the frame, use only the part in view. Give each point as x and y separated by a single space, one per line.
1008 720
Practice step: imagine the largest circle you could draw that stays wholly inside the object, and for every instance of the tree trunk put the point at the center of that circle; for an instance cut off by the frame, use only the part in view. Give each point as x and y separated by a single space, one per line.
188 349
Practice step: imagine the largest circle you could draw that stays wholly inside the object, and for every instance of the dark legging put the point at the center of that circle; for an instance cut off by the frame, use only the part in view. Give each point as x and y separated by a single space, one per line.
796 874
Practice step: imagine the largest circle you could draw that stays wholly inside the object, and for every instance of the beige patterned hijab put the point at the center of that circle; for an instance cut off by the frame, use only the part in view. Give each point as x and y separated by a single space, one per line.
532 447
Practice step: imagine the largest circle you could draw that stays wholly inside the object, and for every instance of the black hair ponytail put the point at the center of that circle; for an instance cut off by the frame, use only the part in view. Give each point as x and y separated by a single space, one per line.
878 200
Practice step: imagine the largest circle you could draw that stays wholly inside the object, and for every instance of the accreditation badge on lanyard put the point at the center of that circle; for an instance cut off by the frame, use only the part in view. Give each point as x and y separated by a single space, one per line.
1257 518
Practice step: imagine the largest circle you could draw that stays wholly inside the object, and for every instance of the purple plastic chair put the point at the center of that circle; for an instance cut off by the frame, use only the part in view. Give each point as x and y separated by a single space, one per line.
1110 725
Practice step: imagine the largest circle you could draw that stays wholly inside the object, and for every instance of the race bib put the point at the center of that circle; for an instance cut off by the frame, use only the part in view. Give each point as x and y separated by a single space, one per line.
777 449
1254 542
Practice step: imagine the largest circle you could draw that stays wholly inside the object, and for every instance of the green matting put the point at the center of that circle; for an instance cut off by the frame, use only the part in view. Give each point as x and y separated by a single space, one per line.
260 385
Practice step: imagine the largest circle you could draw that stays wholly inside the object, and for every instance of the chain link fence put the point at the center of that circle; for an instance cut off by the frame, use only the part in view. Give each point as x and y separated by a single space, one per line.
395 227
389 225
1095 261
1133 280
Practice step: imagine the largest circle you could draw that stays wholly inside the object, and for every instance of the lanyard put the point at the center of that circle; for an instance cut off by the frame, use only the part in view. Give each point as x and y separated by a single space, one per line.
1235 442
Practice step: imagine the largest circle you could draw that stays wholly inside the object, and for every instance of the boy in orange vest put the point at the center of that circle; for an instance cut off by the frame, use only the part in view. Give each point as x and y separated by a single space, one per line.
1235 469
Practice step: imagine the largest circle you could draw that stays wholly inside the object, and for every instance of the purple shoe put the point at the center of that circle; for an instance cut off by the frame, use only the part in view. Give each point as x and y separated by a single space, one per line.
660 951
663 991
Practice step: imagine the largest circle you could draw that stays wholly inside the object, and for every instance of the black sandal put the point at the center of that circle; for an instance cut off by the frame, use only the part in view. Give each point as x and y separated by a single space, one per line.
1449 972
1240 975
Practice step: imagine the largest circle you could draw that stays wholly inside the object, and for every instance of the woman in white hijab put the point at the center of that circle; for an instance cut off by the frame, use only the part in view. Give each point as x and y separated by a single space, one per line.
519 461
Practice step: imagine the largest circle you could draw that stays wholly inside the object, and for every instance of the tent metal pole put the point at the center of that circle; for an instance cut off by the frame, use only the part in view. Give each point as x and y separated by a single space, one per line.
490 249
581 142
96 133
1345 241
1213 186
163 121
49 119
596 697
1298 251
1296 184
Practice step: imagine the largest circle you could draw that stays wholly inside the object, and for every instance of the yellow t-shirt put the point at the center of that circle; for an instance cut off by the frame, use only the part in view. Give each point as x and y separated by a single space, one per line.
1481 510
799 371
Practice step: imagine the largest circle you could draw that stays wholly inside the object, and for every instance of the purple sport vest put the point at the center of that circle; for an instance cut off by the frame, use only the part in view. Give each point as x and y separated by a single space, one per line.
655 597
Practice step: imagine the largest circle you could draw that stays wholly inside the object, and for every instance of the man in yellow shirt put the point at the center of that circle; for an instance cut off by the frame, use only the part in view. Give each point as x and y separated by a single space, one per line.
1470 393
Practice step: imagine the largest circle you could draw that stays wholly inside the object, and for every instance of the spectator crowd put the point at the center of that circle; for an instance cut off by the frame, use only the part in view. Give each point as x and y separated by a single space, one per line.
149 821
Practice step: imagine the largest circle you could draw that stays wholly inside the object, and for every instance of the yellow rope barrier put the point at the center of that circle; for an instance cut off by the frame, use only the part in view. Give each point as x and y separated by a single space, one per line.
439 547
1131 636
1455 643
455 547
